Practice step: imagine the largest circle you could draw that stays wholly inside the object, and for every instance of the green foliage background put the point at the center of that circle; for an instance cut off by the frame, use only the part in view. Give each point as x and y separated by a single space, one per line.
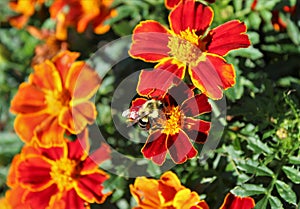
259 153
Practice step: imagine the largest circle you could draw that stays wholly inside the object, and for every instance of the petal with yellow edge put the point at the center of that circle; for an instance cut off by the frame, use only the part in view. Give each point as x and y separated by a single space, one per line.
191 15
170 4
212 75
150 40
185 199
155 147
197 129
235 202
226 37
180 147
196 106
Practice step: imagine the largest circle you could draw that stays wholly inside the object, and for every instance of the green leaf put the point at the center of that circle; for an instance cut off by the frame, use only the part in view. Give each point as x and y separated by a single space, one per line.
275 203
257 146
248 190
238 4
294 160
292 173
251 166
250 52
262 204
254 20
293 31
286 192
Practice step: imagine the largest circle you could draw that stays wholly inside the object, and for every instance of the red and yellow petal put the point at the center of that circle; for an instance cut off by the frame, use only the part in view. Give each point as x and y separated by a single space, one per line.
63 62
201 205
191 15
170 4
75 150
90 188
150 41
15 198
226 37
46 77
168 186
69 199
76 119
196 105
180 147
29 99
196 129
163 81
173 66
235 202
97 157
212 75
18 21
155 147
34 173
145 192
82 81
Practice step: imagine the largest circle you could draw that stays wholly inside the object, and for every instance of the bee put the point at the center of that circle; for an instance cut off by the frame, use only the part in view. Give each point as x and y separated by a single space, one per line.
145 115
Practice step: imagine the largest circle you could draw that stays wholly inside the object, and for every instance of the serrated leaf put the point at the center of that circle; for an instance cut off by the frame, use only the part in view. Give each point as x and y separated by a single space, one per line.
293 31
286 192
248 190
250 52
292 173
275 203
294 160
257 146
254 167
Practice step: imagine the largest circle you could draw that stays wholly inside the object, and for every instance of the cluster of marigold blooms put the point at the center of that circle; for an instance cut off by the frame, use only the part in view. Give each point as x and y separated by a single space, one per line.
53 109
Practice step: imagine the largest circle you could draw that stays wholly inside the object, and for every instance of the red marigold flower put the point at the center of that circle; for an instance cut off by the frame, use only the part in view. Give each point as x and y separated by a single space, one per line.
79 14
235 202
170 4
186 47
175 124
167 192
25 9
59 177
55 99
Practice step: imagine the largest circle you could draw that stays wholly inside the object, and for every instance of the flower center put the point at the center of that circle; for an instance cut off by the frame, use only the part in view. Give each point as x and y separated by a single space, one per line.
64 173
56 100
173 123
184 47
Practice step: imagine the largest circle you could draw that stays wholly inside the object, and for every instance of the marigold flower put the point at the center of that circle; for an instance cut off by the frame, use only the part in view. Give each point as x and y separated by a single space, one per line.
165 193
55 99
25 9
49 48
235 202
176 124
170 4
79 14
186 47
59 177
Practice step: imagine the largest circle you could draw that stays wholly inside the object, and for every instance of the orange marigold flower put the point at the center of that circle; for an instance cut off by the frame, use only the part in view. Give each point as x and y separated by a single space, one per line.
59 177
165 193
187 45
176 124
55 99
235 202
49 48
25 8
79 14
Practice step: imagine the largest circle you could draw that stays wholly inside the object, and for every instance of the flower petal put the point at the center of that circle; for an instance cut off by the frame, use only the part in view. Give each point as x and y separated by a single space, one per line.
168 186
163 81
180 147
41 199
155 147
173 66
34 173
46 77
196 106
235 202
69 199
170 4
28 99
212 75
63 62
149 42
196 129
226 37
145 192
185 199
82 82
97 157
201 205
191 15
90 188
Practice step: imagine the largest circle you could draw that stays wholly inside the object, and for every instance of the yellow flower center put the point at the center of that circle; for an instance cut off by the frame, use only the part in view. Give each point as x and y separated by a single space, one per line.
184 47
57 100
173 123
64 173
